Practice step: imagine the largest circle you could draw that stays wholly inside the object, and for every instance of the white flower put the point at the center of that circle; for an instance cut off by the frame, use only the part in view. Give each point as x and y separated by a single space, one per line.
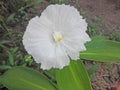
57 35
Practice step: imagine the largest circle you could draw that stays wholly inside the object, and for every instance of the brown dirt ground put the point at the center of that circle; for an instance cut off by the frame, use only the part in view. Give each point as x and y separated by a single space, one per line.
107 11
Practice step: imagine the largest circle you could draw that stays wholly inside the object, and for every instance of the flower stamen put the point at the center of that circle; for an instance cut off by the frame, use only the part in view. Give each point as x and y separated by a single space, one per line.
57 36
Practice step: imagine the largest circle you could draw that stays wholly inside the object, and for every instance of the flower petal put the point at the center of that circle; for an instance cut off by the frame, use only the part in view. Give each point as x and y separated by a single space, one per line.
59 59
39 37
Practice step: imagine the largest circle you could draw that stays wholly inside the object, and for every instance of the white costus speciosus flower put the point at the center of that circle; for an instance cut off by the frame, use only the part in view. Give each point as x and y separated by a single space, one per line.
57 35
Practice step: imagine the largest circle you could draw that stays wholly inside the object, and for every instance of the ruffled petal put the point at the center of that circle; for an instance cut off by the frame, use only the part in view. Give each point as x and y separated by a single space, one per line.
39 39
58 59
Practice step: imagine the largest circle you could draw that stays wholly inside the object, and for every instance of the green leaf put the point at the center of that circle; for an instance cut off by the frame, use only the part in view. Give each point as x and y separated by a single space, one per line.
102 49
1 18
23 78
14 50
4 42
11 58
11 18
58 1
4 67
92 70
35 3
73 77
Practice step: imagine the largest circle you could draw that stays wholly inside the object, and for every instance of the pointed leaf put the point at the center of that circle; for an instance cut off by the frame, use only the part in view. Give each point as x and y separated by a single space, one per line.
73 77
23 78
92 70
102 49
4 67
11 58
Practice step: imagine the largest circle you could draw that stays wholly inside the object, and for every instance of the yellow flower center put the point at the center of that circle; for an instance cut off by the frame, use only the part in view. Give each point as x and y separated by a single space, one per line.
57 36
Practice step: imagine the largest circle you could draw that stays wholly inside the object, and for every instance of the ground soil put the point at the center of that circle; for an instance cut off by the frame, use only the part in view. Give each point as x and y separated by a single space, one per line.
106 10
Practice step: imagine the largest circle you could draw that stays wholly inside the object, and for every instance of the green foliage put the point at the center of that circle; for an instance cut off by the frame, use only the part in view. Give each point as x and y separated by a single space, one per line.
82 11
11 55
102 49
23 78
28 60
11 58
73 77
115 36
3 50
58 1
3 42
14 11
92 30
93 27
4 67
3 24
92 70
9 8
11 18
33 4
